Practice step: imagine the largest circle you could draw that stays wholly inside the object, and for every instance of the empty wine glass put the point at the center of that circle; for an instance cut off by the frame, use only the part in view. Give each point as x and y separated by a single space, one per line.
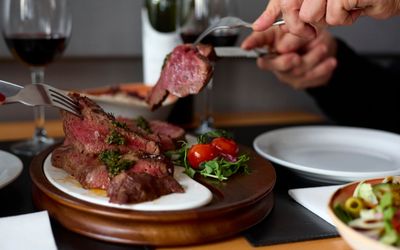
36 32
194 17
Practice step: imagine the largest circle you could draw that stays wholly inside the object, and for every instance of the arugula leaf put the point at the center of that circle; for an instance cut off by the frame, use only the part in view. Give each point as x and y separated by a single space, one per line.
219 168
207 137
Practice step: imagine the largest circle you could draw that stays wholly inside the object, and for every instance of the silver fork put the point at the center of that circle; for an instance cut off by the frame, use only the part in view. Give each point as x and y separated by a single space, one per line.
44 95
230 22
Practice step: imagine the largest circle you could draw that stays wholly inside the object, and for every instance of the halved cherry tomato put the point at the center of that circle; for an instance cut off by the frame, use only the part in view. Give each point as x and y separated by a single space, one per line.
225 146
396 221
199 153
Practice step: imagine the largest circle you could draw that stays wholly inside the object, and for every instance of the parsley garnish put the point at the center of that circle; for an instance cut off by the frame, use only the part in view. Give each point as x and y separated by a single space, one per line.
119 124
114 162
115 138
143 124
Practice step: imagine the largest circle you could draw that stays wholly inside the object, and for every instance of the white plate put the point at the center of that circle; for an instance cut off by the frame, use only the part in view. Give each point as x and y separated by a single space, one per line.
195 195
332 154
10 168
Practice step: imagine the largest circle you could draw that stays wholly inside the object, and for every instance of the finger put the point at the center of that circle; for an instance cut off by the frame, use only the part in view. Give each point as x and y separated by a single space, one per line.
310 60
289 43
314 56
338 12
319 75
312 11
258 39
282 63
268 17
290 11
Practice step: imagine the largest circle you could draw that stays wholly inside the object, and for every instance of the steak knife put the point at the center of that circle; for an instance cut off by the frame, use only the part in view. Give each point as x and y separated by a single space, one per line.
237 52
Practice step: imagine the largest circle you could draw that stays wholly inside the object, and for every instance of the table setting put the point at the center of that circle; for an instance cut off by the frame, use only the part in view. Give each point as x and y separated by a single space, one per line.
119 175
274 229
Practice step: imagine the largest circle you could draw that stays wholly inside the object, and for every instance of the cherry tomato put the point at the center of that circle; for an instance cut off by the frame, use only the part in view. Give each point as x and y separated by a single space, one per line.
396 221
199 153
225 146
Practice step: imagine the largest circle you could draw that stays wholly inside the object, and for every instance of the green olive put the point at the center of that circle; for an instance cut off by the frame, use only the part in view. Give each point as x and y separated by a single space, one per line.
353 206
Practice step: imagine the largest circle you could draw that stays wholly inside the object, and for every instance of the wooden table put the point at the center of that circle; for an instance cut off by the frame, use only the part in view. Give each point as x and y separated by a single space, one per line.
21 130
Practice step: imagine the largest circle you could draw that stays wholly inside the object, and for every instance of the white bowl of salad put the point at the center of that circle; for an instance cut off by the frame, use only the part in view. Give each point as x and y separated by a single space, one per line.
367 213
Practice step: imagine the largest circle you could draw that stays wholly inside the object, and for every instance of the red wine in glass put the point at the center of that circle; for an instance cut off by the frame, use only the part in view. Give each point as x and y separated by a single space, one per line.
36 49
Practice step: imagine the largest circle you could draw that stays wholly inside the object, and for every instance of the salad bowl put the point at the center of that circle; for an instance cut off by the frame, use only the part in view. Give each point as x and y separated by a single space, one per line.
357 230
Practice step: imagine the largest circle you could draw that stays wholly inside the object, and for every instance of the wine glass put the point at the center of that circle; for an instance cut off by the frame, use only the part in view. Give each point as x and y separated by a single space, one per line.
194 17
36 32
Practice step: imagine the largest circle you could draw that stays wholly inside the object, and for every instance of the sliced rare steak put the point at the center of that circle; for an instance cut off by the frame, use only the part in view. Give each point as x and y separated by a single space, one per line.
96 145
86 168
186 71
91 132
130 187
168 136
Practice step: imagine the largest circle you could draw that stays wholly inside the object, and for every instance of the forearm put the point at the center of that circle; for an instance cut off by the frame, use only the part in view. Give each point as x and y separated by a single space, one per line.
360 93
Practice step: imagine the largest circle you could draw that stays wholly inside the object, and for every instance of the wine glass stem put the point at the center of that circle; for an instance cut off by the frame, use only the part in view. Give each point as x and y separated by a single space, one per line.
40 134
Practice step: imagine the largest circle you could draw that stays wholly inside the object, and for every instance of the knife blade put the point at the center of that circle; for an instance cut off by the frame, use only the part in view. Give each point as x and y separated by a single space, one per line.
9 89
237 52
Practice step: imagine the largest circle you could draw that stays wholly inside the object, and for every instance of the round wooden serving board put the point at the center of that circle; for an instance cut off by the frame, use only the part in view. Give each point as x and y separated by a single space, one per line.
237 204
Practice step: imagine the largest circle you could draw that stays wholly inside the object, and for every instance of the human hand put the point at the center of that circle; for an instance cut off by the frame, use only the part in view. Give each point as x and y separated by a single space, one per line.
311 65
306 17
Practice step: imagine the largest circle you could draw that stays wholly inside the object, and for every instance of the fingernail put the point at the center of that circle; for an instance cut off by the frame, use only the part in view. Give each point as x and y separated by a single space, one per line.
2 98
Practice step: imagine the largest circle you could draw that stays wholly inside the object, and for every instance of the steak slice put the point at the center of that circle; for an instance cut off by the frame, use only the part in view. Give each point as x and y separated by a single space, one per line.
165 134
86 169
185 71
130 187
90 132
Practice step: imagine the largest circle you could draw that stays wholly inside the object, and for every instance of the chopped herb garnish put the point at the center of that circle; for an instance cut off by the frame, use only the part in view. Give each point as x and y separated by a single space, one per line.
142 123
119 124
115 138
114 162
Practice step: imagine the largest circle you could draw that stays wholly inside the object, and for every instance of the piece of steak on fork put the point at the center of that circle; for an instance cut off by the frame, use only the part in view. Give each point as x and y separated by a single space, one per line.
186 71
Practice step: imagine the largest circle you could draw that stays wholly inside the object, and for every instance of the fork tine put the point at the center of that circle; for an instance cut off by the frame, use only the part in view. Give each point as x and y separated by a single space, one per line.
66 108
63 99
60 99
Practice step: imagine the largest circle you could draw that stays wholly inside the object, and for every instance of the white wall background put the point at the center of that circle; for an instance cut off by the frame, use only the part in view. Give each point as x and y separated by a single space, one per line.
104 28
